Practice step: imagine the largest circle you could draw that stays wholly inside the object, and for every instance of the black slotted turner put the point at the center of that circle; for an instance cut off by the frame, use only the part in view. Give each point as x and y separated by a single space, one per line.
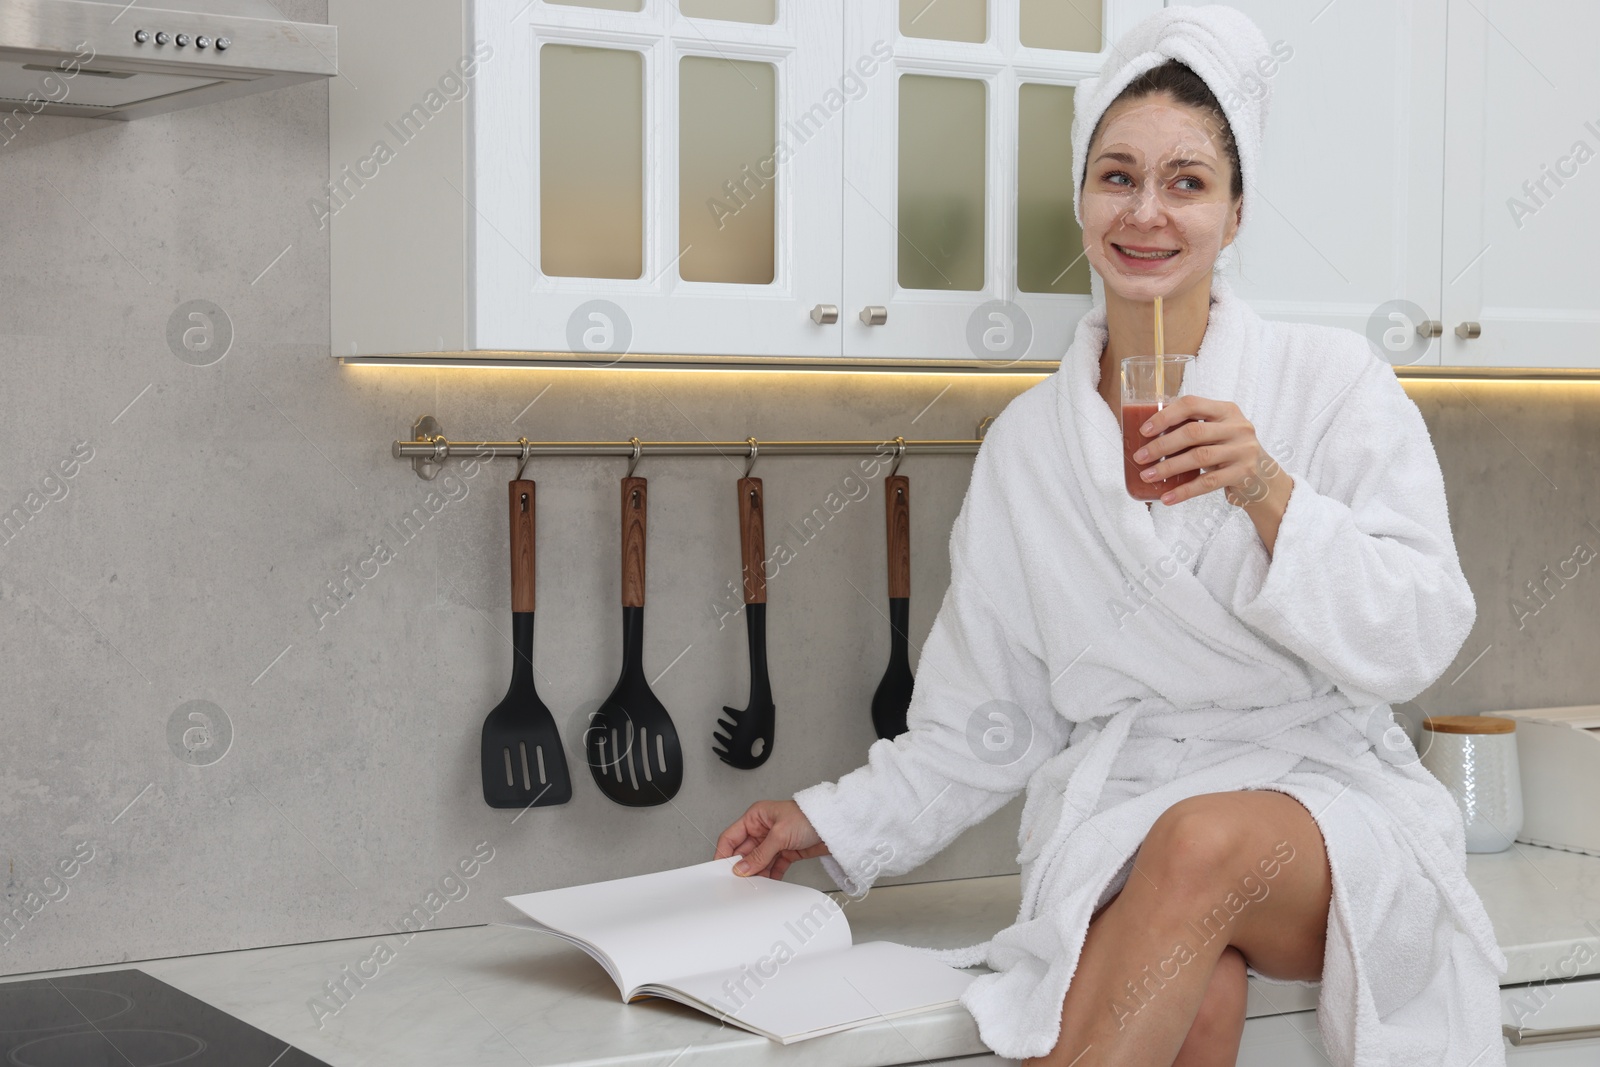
523 763
631 744
893 697
748 741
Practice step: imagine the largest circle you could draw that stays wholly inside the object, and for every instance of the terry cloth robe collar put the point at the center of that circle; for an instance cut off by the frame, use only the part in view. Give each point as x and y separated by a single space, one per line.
1138 535
1133 526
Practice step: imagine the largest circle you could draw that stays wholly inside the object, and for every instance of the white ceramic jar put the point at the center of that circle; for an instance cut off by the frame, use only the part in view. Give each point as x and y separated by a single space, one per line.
1475 756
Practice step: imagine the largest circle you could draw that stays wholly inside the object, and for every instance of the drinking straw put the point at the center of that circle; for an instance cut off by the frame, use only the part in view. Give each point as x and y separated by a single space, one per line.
1160 376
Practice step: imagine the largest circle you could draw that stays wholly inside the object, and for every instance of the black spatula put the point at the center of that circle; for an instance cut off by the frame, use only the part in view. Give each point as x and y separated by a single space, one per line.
523 764
893 697
748 741
632 746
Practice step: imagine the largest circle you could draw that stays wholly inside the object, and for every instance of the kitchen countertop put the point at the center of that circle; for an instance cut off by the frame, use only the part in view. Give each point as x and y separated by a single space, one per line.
496 996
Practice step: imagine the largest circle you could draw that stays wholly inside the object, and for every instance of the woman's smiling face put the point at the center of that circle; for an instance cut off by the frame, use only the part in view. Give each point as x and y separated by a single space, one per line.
1157 182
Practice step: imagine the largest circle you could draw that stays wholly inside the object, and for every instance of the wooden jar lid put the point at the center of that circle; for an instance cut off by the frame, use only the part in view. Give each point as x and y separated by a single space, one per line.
1469 724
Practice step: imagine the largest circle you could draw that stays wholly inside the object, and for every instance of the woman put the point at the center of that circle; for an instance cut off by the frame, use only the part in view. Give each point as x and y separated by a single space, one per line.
1197 705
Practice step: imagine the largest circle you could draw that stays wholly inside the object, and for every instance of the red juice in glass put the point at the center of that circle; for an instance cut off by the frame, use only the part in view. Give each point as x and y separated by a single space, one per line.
1144 392
1133 416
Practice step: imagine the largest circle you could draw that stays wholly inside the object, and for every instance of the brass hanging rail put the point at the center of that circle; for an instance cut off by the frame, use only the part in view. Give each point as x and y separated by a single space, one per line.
429 448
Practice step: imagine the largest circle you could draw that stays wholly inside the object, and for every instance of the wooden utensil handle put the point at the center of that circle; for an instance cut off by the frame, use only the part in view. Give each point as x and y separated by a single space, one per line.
633 524
522 544
753 540
897 505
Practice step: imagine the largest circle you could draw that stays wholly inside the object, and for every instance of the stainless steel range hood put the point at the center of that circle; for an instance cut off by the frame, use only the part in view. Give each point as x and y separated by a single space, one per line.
126 60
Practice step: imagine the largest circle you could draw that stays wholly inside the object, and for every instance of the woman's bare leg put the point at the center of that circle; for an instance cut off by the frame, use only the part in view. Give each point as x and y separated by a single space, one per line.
1245 869
1214 1036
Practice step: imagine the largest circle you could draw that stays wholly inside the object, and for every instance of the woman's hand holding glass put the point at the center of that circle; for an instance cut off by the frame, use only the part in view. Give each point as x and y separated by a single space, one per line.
1198 433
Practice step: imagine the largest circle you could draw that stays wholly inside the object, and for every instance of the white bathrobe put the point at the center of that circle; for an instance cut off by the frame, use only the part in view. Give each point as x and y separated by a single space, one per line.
1146 654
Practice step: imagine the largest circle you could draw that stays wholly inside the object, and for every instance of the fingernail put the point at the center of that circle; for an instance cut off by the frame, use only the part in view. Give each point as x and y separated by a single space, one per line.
738 868
1146 428
1141 455
1148 474
1166 498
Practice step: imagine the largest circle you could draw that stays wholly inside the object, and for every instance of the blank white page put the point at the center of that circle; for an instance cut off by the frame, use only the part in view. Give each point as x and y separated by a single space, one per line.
659 926
818 994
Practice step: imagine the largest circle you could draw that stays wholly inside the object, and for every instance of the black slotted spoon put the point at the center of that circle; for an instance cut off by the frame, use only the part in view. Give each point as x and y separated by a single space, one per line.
893 697
748 741
632 746
523 763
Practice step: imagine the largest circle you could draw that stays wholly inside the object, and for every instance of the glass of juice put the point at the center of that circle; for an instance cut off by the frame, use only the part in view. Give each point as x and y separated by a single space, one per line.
1142 396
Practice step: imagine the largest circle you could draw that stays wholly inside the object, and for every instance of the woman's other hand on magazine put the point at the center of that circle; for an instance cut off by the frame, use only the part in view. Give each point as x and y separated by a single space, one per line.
770 835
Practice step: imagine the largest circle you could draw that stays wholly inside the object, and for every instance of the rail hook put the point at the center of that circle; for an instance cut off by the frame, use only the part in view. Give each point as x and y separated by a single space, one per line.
638 448
523 441
754 449
900 450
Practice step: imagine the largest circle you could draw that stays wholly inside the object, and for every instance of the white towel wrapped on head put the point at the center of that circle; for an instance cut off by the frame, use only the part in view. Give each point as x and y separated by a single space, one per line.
1150 654
1220 44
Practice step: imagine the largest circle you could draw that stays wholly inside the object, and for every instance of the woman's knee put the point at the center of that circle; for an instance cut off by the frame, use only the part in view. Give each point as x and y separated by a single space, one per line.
1193 844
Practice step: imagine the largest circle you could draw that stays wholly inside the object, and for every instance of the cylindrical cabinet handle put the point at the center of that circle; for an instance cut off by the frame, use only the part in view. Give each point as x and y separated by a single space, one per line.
1469 331
825 314
874 315
1520 1037
1430 328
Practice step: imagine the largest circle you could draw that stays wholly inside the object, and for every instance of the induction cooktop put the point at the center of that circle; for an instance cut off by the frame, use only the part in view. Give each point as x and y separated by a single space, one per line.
128 1019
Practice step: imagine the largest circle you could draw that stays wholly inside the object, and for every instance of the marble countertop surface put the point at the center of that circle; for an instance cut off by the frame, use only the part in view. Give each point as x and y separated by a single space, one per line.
497 996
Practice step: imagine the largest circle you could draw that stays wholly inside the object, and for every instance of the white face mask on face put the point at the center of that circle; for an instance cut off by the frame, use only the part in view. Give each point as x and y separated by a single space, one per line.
1157 180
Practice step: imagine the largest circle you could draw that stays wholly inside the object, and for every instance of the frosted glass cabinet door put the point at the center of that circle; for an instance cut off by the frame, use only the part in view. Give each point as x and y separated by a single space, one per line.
1345 228
1521 185
958 229
651 177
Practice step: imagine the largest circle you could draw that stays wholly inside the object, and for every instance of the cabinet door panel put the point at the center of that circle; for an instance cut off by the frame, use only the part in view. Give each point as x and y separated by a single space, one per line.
943 123
1345 218
727 116
742 110
1522 190
1050 256
591 162
945 20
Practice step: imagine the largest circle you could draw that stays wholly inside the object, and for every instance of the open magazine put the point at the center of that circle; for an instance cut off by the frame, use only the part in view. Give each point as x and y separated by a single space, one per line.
770 956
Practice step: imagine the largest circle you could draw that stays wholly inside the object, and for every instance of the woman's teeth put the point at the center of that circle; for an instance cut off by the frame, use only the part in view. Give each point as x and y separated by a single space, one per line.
1168 254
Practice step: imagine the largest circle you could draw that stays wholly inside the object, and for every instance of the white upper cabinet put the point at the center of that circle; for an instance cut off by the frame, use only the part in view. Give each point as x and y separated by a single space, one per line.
671 177
959 236
1345 222
600 178
892 179
677 159
1423 163
1521 187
